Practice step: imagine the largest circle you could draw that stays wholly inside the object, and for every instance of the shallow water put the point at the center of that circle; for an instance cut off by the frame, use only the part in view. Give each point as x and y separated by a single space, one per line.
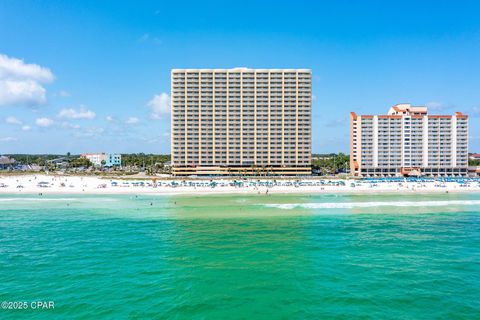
242 257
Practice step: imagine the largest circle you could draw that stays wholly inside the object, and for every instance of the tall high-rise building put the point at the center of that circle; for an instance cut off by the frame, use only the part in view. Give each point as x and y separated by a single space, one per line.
241 121
408 141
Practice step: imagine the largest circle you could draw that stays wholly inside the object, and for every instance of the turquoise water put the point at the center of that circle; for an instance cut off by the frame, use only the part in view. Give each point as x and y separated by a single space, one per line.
242 257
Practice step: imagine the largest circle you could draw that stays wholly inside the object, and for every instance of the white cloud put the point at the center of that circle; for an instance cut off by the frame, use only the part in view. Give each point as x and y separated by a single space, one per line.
68 125
163 137
26 128
475 112
336 123
95 131
109 118
70 113
90 132
132 120
44 122
148 38
13 120
159 105
8 139
435 106
26 92
13 68
21 83
144 37
63 93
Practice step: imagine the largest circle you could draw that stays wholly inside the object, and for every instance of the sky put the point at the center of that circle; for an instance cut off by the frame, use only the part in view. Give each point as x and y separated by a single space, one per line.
94 76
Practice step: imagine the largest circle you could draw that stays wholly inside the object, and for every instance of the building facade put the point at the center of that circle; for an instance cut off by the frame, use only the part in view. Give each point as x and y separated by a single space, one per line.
409 141
241 121
6 163
474 156
104 159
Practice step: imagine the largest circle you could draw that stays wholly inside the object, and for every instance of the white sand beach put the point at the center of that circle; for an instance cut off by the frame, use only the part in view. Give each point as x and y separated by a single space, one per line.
56 184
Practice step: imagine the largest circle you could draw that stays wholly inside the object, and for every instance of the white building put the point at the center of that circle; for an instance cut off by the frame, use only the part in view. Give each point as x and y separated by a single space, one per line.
408 141
104 159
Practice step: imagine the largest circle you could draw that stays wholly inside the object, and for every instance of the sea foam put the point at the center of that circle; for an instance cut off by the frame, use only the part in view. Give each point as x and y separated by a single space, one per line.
352 205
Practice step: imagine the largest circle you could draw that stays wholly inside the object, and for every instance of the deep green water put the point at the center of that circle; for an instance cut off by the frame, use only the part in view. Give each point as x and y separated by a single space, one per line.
242 257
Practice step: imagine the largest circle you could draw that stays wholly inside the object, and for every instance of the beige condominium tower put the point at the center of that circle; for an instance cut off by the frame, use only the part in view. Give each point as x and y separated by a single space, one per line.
409 141
241 121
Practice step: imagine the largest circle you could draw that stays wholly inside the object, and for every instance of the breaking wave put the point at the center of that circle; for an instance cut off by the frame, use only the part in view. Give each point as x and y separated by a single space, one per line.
352 205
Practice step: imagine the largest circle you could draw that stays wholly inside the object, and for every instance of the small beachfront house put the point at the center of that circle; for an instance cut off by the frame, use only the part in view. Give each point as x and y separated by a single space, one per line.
6 162
104 159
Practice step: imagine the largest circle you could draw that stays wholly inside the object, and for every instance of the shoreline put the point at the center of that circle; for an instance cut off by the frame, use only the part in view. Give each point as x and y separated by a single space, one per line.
233 193
93 185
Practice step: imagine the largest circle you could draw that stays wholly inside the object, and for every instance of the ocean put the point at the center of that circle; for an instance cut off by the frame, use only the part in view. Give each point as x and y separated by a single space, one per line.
240 257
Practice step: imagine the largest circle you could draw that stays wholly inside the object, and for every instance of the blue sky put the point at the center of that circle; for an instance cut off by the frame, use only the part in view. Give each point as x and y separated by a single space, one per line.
87 76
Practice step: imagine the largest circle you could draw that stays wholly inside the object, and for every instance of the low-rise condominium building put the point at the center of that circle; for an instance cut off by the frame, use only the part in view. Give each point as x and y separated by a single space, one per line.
104 159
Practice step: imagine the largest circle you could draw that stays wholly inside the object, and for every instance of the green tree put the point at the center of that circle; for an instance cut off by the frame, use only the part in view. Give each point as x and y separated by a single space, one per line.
80 162
473 162
330 163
